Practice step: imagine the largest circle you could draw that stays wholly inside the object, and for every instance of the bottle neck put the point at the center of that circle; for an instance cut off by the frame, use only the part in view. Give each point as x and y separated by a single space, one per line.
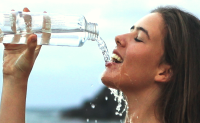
93 31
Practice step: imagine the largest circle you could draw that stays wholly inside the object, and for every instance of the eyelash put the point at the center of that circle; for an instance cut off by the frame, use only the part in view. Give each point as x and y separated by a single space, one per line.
136 39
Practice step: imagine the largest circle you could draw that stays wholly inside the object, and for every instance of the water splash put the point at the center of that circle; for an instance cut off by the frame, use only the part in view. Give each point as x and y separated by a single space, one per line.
87 120
106 98
103 48
119 98
92 105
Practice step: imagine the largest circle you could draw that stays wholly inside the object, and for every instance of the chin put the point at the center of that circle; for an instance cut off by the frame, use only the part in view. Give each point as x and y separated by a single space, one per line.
108 81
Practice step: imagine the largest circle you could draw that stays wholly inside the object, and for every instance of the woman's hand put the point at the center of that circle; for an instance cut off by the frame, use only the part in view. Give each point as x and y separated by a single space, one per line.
18 61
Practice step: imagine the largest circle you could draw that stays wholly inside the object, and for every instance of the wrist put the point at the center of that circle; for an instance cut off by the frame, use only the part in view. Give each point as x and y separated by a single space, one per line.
13 80
13 100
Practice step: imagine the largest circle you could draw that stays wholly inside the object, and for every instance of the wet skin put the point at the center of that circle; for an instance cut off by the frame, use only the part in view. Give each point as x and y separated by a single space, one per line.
141 51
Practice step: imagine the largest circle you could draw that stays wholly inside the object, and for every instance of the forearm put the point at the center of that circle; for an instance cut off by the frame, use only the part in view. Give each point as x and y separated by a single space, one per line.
13 100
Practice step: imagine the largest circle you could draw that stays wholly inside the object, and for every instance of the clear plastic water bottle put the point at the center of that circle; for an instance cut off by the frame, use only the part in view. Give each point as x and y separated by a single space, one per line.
51 29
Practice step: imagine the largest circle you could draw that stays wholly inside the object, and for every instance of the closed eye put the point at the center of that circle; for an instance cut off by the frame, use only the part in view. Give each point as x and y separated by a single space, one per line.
141 29
138 40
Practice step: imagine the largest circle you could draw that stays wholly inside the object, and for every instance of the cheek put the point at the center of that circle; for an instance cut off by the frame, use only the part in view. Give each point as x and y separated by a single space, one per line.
138 70
143 58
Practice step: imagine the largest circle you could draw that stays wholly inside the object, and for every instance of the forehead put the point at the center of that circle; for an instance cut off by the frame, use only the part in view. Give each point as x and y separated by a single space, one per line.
153 23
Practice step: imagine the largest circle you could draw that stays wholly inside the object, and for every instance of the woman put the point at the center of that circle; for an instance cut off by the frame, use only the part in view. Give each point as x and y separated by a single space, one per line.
156 66
159 67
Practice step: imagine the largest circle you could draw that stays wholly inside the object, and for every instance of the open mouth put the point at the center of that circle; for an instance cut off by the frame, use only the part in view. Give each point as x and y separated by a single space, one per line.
117 59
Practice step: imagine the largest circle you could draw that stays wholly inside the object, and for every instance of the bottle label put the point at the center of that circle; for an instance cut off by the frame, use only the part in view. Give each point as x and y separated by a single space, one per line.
6 20
64 22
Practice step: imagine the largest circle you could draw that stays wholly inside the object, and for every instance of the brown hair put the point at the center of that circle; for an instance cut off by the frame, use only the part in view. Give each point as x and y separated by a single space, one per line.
180 98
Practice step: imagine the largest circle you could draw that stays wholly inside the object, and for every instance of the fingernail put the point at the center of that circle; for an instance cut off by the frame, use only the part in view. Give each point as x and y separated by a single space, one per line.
12 10
45 12
26 9
33 37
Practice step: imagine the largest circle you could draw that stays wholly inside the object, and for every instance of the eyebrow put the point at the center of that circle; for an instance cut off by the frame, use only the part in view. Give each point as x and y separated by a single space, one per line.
142 29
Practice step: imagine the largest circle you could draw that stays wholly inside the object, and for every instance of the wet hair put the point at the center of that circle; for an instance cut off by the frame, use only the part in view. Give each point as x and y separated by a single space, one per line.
180 98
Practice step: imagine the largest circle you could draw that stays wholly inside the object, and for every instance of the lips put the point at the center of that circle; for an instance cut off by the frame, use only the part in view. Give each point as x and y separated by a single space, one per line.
116 57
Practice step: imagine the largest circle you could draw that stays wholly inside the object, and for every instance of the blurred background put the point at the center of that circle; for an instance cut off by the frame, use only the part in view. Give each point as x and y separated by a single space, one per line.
69 78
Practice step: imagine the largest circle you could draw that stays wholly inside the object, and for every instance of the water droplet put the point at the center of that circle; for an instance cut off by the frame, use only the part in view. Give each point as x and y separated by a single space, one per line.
120 114
119 98
137 117
93 106
95 121
87 120
116 113
106 98
91 85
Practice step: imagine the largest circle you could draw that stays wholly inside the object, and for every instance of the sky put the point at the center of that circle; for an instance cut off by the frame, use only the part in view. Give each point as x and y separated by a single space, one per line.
66 76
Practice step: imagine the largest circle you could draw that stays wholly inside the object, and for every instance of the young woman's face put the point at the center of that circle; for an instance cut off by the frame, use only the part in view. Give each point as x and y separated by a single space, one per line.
140 52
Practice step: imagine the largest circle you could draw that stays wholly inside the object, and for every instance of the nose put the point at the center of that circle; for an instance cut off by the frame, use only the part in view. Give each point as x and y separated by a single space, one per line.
120 40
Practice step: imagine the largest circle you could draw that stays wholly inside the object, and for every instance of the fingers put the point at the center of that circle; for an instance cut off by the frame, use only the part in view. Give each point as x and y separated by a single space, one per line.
46 27
13 27
37 50
32 42
26 9
1 36
31 45
32 48
28 22
46 22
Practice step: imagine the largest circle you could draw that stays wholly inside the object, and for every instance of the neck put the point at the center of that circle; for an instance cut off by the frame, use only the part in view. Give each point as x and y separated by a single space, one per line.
142 107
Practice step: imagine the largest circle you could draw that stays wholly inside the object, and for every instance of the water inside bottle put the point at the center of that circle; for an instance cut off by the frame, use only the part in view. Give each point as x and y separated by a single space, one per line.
51 29
72 39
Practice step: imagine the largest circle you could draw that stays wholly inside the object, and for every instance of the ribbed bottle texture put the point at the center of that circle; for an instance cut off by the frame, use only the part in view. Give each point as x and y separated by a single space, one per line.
51 29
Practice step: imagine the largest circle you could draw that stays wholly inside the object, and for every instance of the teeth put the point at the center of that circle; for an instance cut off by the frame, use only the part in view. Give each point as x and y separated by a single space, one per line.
116 57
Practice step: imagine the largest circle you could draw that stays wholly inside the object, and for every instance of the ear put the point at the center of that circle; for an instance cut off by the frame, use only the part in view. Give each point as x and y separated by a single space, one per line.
164 73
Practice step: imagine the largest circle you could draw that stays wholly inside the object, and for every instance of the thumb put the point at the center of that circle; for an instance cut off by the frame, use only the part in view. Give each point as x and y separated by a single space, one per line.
31 45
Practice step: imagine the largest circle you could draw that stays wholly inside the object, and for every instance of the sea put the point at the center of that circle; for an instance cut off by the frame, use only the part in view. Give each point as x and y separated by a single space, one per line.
54 116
